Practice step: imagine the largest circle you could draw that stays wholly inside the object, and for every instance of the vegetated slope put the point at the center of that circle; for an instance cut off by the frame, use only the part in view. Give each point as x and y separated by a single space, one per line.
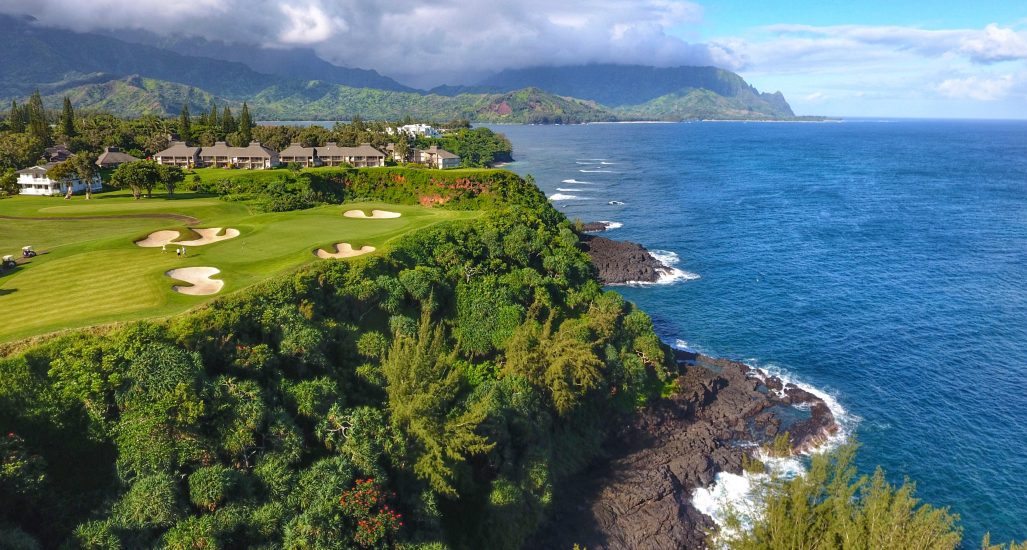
705 104
134 96
104 73
32 56
624 86
436 395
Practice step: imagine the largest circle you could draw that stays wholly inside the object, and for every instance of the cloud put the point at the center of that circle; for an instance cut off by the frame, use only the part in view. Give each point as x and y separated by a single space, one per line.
309 24
991 44
979 88
996 44
410 37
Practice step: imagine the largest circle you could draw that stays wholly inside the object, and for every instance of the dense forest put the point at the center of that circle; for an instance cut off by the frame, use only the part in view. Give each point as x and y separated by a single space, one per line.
435 395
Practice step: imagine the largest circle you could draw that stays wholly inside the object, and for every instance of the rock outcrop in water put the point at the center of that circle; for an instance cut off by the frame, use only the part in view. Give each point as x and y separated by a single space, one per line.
622 262
640 497
594 227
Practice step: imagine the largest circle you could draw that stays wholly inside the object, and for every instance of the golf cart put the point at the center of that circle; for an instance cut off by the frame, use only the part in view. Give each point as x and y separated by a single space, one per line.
9 262
27 252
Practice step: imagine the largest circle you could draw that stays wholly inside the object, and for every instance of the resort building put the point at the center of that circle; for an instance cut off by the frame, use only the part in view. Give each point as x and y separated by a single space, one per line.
252 157
418 130
57 153
34 181
179 154
436 157
357 157
112 157
304 156
219 155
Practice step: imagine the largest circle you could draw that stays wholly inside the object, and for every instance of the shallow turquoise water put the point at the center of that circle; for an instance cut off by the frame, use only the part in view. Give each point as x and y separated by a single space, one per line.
882 261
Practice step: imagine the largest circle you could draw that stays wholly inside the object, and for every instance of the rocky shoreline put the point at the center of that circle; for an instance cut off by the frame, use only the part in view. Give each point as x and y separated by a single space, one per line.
640 495
621 262
595 227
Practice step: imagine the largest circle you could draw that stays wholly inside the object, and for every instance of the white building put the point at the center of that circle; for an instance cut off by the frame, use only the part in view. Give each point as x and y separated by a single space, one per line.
419 130
34 181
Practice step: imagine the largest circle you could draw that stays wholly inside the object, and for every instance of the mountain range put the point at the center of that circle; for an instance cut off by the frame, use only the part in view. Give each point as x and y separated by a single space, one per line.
132 73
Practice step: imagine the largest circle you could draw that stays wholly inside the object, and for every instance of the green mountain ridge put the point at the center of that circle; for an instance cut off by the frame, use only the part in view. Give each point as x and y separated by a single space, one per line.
135 96
98 72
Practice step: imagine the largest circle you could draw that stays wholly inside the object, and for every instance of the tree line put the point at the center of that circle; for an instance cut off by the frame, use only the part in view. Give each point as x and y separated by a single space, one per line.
29 128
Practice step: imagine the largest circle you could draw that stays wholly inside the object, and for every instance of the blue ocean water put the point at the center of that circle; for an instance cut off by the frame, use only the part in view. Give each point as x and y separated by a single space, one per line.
882 261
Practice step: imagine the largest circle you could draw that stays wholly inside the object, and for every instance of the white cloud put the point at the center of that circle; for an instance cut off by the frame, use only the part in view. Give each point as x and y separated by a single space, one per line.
979 88
412 38
995 44
308 24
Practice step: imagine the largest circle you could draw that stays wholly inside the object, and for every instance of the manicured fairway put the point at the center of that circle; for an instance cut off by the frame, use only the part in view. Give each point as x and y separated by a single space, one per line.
91 272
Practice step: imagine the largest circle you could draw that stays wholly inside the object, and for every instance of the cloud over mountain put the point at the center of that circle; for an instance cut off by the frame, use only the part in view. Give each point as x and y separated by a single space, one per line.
442 40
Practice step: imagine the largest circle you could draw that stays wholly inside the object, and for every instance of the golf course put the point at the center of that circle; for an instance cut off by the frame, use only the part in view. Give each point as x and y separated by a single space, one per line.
108 259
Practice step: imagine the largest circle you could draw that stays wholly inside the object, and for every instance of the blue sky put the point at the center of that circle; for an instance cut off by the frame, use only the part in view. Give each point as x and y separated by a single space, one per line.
876 58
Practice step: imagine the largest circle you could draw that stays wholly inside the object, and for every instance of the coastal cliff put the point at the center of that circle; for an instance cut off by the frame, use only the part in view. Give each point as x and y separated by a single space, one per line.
640 496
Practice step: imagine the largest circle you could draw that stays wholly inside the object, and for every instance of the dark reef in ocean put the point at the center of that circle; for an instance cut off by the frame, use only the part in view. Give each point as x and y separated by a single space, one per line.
620 262
640 496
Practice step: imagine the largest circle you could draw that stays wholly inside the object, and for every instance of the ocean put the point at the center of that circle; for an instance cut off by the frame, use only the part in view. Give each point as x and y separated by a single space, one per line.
881 261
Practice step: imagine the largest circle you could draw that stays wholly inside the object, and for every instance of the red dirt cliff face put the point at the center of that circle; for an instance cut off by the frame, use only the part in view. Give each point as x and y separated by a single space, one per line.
502 108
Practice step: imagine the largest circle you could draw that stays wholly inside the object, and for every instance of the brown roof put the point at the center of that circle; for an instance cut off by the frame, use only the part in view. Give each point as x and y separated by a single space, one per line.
113 156
254 149
442 153
297 150
222 149
364 150
178 149
58 152
219 149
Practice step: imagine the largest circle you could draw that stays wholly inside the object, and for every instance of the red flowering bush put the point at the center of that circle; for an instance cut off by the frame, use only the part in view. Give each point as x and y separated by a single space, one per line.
376 523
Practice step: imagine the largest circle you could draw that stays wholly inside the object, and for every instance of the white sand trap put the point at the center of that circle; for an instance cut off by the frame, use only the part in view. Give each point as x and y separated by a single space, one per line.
375 214
158 238
343 250
210 236
199 278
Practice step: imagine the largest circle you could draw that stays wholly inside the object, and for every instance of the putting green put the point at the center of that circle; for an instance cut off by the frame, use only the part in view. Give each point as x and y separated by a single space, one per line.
90 270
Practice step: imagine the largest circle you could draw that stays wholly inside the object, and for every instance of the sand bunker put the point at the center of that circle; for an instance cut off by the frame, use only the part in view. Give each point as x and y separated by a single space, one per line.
199 278
210 235
343 250
375 214
158 238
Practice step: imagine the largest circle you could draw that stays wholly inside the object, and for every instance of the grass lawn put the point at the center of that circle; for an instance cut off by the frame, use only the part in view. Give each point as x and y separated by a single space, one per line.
91 272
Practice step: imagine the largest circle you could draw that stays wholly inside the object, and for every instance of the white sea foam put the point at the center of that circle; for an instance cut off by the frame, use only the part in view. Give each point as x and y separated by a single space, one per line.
604 162
611 225
616 203
669 274
572 180
741 494
562 197
567 190
596 171
666 257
